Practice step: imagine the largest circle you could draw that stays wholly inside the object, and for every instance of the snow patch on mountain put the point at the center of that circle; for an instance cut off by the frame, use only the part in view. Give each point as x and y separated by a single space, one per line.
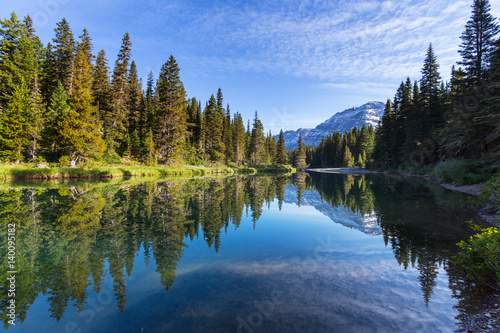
367 224
367 114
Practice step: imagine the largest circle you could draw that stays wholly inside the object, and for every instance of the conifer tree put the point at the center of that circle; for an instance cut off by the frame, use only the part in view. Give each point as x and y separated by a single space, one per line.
257 142
85 46
170 126
14 125
385 138
478 42
239 139
115 121
348 159
20 57
228 137
300 157
430 95
64 55
213 126
56 111
281 155
101 86
79 129
134 93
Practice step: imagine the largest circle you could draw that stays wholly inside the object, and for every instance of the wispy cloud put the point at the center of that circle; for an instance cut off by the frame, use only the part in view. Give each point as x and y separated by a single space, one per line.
328 40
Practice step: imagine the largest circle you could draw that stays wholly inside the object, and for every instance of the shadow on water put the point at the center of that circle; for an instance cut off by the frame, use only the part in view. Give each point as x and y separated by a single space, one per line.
69 239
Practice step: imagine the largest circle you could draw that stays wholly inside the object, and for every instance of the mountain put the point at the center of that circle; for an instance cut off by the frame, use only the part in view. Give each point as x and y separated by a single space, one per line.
367 224
369 114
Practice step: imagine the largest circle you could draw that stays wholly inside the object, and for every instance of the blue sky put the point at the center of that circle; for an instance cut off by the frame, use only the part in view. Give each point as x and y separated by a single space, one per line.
296 62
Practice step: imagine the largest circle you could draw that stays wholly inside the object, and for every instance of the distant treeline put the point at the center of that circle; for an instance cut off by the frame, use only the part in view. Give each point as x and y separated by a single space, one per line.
60 102
431 120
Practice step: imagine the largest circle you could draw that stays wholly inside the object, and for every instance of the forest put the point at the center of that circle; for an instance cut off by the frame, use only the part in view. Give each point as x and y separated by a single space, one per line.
433 125
62 104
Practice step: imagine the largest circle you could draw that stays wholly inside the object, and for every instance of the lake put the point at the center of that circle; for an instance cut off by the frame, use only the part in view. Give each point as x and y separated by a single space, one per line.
301 253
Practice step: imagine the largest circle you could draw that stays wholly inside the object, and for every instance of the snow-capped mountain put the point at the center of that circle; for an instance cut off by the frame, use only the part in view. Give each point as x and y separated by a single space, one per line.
367 224
369 114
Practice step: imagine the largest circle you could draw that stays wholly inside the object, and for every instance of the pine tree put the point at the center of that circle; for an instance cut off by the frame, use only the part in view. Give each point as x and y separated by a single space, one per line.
79 129
281 155
348 159
213 126
101 86
257 142
64 55
85 46
228 137
385 138
170 115
300 157
478 43
14 125
239 139
365 144
115 121
21 56
56 111
134 93
430 95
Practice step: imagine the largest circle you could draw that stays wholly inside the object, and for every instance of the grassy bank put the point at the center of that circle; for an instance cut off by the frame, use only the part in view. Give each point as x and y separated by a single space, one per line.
455 172
32 173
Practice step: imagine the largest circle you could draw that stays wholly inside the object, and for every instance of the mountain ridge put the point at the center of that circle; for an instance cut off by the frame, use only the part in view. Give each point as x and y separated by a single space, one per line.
367 114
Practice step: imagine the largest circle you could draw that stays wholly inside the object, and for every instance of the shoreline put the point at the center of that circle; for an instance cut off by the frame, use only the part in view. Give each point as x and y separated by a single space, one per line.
488 212
46 174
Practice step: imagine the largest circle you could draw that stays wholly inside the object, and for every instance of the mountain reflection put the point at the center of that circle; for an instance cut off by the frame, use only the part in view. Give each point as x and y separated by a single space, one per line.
69 239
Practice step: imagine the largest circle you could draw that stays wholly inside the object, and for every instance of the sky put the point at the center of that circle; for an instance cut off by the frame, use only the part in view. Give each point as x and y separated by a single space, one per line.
295 62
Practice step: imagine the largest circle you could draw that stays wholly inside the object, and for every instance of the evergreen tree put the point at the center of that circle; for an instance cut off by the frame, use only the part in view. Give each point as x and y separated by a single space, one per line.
385 138
257 142
134 93
64 55
101 87
20 57
281 156
430 95
228 137
239 139
14 125
300 156
79 128
56 111
170 115
213 127
478 42
115 121
85 46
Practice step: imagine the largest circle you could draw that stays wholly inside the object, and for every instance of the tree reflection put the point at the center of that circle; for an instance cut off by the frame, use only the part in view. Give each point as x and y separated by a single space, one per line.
65 237
70 239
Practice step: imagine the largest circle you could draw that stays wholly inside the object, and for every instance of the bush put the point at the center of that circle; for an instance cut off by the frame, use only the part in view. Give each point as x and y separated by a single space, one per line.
491 190
64 161
111 158
460 172
480 257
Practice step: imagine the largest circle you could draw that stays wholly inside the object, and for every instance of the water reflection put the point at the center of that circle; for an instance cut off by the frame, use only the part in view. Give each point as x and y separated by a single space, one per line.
70 239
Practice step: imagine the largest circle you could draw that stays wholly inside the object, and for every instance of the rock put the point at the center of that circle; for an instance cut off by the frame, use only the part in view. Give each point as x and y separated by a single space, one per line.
42 165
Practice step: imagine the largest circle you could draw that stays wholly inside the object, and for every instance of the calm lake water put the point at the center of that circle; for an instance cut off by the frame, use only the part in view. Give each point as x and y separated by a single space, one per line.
306 253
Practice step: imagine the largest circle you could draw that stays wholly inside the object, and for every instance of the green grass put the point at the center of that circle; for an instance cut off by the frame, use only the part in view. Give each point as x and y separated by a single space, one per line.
94 171
460 172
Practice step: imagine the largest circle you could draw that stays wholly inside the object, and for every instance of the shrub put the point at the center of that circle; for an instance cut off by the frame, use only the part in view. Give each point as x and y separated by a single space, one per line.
491 190
480 257
64 161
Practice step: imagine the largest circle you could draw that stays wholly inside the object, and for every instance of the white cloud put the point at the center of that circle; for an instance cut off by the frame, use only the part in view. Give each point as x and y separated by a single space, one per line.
328 40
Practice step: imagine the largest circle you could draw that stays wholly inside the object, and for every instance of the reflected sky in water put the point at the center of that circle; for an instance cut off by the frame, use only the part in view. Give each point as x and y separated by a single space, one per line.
316 253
